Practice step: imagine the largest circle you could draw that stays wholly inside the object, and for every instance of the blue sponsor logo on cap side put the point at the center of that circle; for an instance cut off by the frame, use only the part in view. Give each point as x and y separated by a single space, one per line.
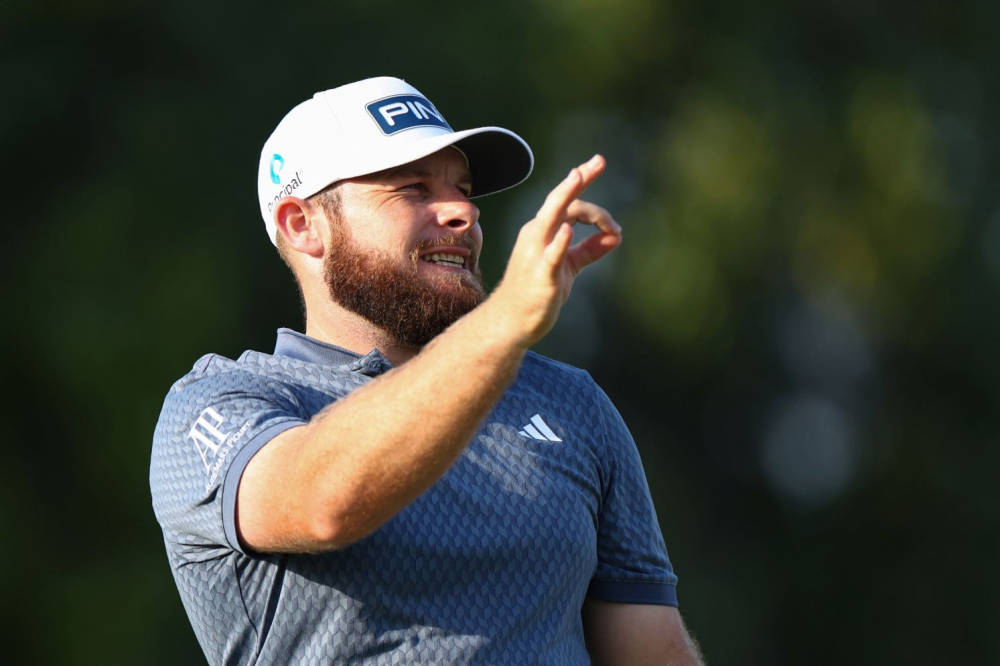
403 112
277 163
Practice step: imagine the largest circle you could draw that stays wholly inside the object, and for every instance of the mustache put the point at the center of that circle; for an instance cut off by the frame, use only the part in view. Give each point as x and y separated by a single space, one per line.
449 240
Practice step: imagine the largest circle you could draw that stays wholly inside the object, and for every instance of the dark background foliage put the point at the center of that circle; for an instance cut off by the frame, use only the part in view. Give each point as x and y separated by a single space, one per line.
800 328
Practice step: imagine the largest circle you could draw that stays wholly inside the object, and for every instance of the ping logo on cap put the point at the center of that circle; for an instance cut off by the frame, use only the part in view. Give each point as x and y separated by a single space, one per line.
403 112
277 163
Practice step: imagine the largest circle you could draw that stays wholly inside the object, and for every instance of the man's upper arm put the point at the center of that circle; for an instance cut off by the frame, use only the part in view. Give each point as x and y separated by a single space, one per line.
637 635
268 517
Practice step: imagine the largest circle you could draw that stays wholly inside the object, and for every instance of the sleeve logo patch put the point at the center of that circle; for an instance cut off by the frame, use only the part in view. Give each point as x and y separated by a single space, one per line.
212 443
207 436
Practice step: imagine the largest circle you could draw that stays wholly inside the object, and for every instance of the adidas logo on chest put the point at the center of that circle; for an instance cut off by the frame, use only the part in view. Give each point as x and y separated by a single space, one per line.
537 429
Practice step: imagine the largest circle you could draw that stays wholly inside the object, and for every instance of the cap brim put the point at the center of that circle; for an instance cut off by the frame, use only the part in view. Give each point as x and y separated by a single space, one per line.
498 158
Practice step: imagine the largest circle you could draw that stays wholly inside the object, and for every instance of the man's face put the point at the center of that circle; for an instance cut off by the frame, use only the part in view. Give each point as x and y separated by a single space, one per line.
404 250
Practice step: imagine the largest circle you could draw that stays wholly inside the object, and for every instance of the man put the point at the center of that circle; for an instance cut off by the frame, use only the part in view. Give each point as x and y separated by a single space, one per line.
406 483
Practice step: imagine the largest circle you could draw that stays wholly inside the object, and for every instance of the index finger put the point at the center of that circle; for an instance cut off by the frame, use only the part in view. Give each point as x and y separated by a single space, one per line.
554 208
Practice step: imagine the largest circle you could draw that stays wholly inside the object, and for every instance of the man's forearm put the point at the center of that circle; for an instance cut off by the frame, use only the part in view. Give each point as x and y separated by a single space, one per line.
384 445
364 458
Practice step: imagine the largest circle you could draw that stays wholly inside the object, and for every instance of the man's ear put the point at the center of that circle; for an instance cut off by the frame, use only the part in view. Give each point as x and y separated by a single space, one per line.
298 221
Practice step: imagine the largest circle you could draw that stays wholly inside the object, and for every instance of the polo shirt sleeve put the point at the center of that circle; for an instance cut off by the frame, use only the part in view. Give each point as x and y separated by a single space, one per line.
633 566
212 423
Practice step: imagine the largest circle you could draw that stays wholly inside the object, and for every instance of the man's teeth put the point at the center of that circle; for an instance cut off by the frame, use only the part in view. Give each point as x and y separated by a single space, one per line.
453 260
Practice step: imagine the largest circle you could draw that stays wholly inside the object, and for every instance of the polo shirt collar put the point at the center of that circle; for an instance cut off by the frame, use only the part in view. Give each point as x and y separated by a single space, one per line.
293 344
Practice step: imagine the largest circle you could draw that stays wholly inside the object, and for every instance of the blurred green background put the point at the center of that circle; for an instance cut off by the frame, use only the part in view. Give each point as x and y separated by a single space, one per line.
801 327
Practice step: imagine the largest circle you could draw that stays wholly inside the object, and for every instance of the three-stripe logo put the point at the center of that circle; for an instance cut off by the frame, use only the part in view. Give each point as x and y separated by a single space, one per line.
537 429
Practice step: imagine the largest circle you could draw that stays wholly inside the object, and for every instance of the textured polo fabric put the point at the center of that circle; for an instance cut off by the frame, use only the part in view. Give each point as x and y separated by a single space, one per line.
547 504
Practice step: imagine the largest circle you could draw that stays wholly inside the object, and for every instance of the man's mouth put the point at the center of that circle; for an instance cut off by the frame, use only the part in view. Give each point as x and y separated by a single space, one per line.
445 259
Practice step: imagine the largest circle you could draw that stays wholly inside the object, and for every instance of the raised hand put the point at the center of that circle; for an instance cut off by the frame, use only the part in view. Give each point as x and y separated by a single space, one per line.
544 264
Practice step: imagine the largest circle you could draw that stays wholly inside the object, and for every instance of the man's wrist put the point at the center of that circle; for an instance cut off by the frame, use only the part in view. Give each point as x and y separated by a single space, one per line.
497 323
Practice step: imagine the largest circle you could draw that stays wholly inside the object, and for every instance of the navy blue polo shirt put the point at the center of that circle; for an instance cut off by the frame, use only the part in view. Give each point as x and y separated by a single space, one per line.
548 504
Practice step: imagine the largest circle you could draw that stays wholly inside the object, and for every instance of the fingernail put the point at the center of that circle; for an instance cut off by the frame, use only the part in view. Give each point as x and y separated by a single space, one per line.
594 161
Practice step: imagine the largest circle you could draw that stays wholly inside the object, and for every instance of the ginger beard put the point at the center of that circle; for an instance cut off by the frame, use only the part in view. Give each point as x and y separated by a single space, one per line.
390 294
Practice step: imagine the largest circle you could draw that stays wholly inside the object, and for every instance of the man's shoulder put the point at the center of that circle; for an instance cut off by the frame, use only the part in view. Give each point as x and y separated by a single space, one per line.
249 368
537 369
545 362
215 375
255 381
216 366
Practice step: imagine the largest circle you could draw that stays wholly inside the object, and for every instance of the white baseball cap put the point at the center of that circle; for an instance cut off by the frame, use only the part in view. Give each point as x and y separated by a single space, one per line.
371 125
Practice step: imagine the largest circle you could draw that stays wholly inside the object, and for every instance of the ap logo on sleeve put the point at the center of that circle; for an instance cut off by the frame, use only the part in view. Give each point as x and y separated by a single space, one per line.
212 442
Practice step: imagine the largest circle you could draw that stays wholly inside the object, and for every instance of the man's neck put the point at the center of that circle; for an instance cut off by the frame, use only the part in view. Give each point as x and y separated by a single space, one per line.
340 327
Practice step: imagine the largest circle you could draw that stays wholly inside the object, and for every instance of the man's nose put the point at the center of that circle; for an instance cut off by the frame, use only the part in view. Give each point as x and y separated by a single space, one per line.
458 213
